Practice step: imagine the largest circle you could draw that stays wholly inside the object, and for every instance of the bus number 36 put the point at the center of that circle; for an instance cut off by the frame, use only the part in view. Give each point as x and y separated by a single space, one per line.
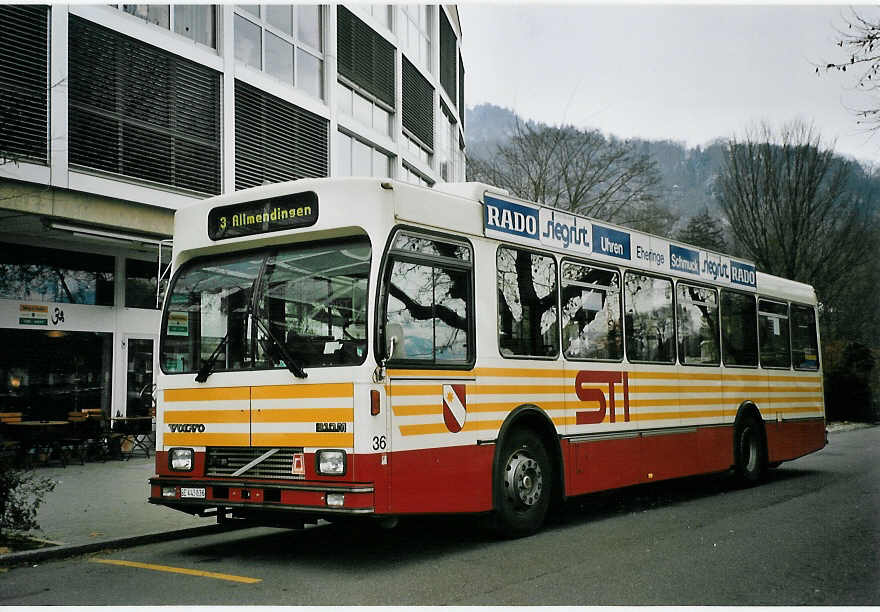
379 443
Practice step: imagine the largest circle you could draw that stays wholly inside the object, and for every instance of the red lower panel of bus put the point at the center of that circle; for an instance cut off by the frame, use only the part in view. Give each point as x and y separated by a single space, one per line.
459 479
607 464
792 439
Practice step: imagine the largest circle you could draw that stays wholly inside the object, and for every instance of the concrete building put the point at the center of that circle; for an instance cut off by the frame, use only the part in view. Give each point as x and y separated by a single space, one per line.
114 116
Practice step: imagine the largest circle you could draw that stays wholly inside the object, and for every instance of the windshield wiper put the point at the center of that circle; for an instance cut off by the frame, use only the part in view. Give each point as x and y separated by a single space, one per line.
293 365
208 366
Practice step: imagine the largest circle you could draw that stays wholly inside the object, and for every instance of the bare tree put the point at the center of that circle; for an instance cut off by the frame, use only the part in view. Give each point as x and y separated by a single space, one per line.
577 170
861 41
792 207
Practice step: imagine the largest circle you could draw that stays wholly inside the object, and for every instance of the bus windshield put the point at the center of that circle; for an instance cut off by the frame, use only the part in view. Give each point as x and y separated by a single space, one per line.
234 310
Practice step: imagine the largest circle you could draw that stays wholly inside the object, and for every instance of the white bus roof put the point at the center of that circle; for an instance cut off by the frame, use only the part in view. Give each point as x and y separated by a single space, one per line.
479 209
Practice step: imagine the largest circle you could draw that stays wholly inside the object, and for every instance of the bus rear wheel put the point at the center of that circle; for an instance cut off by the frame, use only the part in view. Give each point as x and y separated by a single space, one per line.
750 452
523 483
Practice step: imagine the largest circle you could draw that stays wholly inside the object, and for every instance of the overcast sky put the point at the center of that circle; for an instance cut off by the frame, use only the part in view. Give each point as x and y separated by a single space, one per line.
688 73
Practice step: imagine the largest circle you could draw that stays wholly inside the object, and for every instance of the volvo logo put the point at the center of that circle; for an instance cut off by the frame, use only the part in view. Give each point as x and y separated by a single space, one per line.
187 427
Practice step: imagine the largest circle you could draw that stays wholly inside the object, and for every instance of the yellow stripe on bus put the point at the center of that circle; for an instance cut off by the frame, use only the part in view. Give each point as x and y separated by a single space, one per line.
303 415
207 416
331 440
474 389
440 428
429 409
719 389
207 395
206 439
303 391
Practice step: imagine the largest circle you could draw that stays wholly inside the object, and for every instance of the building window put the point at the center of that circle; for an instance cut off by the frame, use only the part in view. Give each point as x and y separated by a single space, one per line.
527 296
382 13
138 111
650 332
447 56
415 33
411 175
50 275
429 300
54 372
447 150
461 112
369 113
141 282
365 59
24 78
357 158
276 140
285 41
198 22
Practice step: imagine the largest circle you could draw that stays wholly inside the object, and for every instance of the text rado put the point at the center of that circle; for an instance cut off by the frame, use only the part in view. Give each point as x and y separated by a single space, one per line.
187 428
330 427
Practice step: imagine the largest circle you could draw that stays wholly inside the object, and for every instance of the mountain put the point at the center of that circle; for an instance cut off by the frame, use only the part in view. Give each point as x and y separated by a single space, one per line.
688 174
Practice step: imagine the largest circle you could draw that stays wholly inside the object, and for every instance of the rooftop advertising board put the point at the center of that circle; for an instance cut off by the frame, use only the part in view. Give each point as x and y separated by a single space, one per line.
540 226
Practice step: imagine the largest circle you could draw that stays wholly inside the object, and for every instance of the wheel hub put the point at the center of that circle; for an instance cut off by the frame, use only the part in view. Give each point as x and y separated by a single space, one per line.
523 480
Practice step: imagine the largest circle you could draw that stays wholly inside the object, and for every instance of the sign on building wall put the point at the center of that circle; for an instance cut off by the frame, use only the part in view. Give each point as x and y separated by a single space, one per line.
540 226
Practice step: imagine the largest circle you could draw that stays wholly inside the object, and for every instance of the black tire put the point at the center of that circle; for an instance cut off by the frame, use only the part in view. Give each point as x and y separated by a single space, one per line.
524 483
749 451
773 465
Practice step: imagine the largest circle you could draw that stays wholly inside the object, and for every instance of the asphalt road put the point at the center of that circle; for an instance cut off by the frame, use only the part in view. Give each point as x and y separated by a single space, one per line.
810 535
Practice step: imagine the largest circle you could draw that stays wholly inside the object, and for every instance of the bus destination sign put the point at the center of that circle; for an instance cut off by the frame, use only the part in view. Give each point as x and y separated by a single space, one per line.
541 226
261 216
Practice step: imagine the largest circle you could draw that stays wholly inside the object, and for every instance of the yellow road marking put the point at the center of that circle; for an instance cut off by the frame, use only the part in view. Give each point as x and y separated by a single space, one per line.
179 570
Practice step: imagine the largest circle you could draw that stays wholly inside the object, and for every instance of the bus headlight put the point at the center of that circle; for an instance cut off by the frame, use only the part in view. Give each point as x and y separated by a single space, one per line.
330 462
180 459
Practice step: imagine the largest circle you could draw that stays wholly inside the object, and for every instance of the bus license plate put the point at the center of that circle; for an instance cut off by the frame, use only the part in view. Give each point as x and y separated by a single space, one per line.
192 492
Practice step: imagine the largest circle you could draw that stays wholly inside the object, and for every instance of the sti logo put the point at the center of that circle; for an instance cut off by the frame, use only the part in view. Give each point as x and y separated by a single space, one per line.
594 395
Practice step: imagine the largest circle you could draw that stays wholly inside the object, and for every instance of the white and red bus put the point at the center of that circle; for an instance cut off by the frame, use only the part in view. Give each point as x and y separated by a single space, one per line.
359 347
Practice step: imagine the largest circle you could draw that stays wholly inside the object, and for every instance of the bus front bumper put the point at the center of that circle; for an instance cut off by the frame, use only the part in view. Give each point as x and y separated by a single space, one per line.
209 497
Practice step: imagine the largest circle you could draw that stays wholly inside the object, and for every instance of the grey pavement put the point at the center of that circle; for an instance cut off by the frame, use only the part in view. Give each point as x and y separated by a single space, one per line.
104 505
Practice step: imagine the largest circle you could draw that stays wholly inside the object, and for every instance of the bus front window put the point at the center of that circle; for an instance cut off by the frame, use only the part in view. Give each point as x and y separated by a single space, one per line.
238 308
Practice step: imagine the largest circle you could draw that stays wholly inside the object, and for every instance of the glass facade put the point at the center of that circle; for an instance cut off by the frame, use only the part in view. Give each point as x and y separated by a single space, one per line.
51 373
52 275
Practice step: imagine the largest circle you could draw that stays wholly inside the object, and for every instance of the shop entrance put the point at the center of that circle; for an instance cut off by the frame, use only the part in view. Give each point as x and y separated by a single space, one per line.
140 360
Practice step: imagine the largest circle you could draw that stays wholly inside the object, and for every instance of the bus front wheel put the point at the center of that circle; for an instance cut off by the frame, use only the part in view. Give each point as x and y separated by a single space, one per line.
523 484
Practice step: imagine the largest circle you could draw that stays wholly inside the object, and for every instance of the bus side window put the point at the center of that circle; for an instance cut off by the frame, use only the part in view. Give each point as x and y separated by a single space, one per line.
773 334
697 325
428 303
650 331
528 324
739 322
591 313
804 343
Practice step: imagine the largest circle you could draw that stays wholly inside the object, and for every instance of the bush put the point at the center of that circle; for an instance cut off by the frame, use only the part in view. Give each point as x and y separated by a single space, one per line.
21 494
852 392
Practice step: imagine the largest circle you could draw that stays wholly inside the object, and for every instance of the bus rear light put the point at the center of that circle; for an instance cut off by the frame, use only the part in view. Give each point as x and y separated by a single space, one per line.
375 408
337 500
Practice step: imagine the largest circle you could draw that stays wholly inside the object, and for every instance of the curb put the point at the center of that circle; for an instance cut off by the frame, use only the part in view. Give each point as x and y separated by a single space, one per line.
72 550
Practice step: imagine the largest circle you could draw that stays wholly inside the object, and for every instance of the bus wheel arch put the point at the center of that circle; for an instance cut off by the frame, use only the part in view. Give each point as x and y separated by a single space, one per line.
749 445
527 472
